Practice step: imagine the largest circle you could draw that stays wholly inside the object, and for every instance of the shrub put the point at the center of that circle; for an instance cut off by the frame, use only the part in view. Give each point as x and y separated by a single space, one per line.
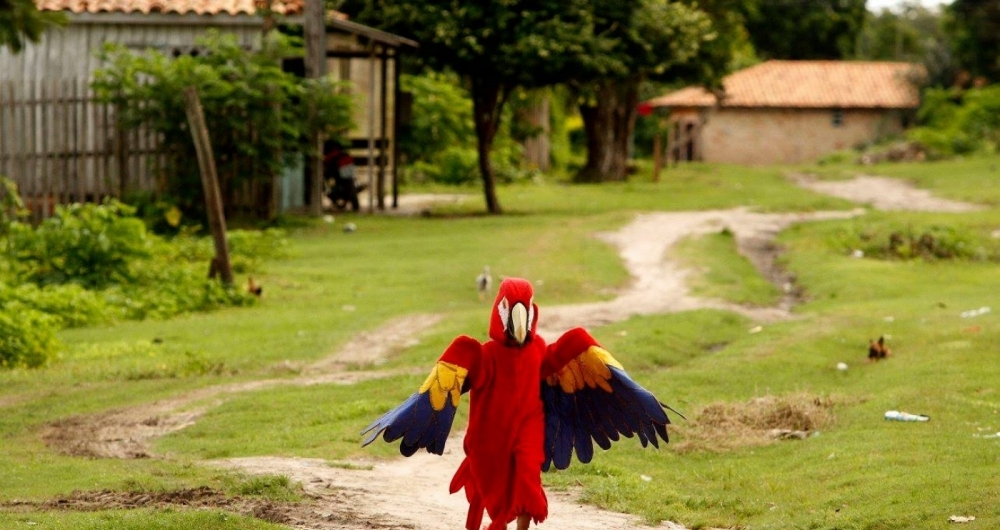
27 338
68 305
258 116
87 244
956 123
929 243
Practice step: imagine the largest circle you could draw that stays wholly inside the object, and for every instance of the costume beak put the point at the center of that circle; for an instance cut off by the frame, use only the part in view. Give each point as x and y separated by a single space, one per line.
519 322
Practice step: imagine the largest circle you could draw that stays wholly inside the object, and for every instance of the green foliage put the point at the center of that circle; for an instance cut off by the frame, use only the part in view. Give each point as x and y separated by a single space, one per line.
439 141
257 115
21 22
722 272
792 29
69 305
454 166
928 242
911 33
92 245
91 264
27 337
248 249
957 122
441 116
974 28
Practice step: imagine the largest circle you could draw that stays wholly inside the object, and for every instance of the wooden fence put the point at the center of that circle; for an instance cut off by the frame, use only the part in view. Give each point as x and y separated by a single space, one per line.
60 145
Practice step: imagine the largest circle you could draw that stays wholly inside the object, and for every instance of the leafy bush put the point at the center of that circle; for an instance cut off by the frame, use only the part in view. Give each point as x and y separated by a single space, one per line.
82 243
439 142
247 248
455 166
258 116
68 305
441 117
91 264
930 243
27 338
956 123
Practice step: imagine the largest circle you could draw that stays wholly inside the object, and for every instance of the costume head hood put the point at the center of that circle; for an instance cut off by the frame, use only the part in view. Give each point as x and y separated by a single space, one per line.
514 315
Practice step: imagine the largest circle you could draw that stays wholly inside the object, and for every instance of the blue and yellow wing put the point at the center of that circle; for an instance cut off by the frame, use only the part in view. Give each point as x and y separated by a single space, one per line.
424 420
591 399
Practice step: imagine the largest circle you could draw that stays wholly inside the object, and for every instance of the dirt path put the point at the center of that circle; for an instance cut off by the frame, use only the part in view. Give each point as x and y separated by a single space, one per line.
411 493
883 193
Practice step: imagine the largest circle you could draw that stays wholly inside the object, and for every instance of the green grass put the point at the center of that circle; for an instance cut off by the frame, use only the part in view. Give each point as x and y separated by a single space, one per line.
720 271
164 519
860 472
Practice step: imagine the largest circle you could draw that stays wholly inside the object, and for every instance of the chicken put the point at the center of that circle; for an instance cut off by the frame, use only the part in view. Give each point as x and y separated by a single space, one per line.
878 350
253 288
483 282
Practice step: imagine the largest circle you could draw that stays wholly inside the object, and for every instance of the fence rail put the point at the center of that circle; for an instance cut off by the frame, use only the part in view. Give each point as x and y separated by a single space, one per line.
61 145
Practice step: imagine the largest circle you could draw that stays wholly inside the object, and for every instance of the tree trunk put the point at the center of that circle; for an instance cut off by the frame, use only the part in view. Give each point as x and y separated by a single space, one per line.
537 148
608 125
487 102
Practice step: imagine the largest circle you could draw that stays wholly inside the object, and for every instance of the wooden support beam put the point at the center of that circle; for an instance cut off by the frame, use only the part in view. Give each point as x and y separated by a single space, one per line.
210 182
314 29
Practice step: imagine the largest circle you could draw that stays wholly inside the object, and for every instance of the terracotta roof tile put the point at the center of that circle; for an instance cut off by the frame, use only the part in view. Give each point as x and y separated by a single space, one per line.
200 7
810 84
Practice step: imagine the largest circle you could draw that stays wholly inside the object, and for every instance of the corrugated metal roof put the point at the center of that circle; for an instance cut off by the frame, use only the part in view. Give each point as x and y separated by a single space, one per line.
199 7
810 84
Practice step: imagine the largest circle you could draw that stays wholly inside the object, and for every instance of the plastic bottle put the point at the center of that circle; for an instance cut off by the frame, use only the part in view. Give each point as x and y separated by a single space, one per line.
904 416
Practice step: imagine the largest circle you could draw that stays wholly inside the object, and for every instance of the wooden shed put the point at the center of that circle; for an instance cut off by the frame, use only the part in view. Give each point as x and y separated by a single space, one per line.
791 111
60 145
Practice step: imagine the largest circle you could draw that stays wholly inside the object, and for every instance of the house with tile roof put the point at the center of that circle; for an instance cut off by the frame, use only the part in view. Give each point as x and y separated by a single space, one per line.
791 111
60 145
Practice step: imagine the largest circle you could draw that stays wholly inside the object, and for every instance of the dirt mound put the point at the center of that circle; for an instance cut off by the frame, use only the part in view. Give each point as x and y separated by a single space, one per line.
196 498
760 421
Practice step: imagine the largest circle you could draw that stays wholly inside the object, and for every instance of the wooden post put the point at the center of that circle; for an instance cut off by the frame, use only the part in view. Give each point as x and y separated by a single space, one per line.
657 158
315 37
210 182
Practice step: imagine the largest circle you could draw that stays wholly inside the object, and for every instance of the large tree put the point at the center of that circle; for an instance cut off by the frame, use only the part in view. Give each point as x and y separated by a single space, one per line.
797 29
21 22
975 32
651 38
495 47
912 33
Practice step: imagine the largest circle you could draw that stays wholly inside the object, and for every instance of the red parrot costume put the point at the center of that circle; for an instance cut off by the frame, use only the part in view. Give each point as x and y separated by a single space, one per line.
531 405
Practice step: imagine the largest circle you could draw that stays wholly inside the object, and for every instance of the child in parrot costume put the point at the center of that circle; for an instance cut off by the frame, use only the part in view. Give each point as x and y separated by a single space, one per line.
531 405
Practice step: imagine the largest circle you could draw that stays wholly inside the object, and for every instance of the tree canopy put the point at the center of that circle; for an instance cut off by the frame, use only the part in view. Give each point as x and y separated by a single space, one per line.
794 29
974 27
21 22
495 47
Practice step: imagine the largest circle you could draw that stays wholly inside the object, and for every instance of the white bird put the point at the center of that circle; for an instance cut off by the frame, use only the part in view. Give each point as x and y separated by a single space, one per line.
483 282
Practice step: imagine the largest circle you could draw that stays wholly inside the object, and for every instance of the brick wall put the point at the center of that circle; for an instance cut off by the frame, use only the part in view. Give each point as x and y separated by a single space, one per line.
767 136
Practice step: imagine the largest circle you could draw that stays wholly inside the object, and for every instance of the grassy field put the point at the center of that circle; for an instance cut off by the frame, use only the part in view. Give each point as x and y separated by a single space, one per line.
856 471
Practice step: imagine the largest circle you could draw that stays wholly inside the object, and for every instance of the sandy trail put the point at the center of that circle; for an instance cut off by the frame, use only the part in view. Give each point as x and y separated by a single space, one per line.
412 493
884 193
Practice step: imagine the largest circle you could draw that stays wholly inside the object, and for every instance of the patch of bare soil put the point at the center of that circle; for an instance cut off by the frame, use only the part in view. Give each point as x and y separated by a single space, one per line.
760 421
412 492
127 433
422 203
883 193
314 512
659 284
